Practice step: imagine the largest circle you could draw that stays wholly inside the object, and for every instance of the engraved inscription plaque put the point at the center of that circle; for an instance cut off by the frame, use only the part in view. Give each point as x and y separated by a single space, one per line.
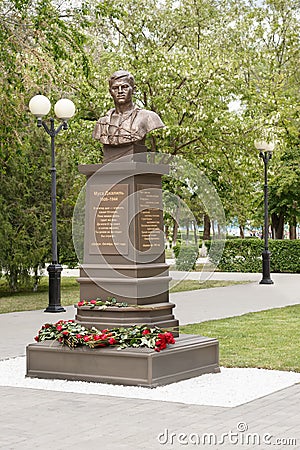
109 227
150 218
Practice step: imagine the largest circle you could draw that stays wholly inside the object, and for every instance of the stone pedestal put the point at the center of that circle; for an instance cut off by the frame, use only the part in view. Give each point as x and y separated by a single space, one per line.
124 244
189 357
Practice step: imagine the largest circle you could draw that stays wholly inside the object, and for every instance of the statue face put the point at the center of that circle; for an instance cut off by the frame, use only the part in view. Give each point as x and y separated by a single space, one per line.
121 91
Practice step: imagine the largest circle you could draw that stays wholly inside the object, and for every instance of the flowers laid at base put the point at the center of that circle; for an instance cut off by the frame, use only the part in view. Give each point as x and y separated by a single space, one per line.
102 304
73 334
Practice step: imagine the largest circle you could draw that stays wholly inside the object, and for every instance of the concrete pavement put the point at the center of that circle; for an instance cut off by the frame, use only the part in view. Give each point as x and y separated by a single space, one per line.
34 419
216 303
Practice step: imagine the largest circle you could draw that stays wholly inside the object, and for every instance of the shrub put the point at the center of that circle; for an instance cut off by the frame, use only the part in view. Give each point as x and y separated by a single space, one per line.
176 249
285 256
244 255
186 257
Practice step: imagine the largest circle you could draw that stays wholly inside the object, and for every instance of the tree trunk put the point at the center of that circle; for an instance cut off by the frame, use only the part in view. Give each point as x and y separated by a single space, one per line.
206 231
272 232
175 231
13 280
194 223
242 233
213 228
175 227
187 232
278 225
219 231
36 279
293 228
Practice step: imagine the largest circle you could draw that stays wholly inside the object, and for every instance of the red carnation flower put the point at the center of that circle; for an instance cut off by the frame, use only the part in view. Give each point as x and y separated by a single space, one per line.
80 303
59 327
93 302
112 341
36 338
145 332
65 333
86 338
78 336
97 337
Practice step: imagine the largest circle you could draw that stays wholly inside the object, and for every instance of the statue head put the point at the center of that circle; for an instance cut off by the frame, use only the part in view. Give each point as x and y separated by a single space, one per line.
121 88
121 74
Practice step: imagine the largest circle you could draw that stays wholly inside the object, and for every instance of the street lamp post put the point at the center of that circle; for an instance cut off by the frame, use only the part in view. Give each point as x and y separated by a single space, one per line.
265 152
64 109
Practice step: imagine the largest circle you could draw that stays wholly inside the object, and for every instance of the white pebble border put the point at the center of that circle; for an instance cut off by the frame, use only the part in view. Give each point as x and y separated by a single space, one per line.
229 388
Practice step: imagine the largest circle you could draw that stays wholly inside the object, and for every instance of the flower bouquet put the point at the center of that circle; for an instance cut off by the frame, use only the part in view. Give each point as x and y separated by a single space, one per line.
73 334
102 304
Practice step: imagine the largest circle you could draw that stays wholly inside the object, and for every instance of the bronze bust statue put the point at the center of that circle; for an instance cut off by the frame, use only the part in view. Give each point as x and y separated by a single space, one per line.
126 123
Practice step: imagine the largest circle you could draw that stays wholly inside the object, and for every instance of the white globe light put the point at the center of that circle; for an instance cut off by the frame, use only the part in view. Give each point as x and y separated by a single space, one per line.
64 109
270 146
264 146
39 105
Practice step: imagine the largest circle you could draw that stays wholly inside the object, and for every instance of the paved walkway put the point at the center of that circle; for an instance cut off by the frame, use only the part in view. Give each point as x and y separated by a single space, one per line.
216 303
34 419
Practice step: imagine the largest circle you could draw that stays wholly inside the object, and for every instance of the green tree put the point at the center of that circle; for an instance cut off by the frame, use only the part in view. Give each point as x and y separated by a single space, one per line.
41 51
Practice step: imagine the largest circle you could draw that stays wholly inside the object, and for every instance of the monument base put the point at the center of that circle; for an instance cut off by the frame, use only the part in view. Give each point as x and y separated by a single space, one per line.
159 314
189 357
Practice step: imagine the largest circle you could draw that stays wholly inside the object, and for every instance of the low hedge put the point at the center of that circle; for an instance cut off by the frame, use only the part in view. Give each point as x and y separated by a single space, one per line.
186 257
244 255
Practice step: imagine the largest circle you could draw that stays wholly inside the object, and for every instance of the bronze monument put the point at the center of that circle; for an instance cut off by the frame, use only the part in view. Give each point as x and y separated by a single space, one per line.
126 123
124 258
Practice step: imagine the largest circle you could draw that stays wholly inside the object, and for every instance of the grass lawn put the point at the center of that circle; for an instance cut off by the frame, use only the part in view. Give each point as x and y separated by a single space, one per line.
192 285
267 339
28 300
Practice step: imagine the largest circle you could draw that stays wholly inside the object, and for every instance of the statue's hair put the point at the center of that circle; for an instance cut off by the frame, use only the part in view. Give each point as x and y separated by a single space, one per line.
121 74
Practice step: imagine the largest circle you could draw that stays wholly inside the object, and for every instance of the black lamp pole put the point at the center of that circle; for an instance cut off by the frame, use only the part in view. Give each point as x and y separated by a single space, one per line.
54 269
266 279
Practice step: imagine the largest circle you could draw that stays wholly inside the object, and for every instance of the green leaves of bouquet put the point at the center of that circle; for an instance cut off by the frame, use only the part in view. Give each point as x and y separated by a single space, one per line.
102 304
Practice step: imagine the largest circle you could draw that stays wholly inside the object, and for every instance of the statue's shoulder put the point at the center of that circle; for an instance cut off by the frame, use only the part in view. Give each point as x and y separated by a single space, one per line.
106 118
150 118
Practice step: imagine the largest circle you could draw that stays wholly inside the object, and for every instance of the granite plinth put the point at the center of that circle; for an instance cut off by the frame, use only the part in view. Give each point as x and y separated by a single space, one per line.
159 315
189 357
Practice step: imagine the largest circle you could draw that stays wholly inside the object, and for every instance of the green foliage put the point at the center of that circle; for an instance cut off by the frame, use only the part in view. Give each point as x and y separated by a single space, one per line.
176 249
189 62
244 255
186 257
285 256
42 50
285 185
